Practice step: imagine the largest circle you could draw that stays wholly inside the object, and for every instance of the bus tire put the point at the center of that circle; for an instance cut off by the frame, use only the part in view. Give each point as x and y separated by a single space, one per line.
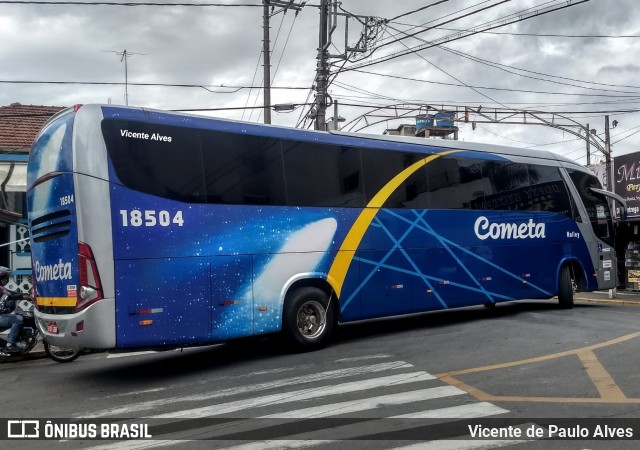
308 319
565 288
60 354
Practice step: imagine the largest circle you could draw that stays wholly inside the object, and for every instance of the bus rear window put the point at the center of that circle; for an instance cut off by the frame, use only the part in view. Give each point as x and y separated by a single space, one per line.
48 152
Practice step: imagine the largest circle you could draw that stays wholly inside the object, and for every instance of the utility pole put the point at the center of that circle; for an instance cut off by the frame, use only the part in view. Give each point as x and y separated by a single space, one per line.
266 51
322 70
607 153
266 59
588 130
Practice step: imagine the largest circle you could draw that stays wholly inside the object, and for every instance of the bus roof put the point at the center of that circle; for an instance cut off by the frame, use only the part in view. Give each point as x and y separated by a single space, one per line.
322 135
463 145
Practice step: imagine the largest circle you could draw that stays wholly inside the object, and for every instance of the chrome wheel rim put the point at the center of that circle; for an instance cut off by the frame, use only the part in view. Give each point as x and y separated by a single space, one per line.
311 319
62 352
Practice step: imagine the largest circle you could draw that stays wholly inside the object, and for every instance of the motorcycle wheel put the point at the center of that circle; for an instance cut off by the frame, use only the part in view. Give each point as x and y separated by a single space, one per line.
61 354
30 343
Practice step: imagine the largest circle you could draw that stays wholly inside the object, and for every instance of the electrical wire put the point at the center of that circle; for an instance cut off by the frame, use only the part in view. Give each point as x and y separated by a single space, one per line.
493 63
71 3
418 10
497 23
120 83
495 88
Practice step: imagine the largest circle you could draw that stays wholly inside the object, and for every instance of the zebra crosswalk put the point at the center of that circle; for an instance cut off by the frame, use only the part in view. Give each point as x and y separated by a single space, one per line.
319 409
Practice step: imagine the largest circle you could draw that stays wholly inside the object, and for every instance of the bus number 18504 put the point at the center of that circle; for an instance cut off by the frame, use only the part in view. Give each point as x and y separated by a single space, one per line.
150 218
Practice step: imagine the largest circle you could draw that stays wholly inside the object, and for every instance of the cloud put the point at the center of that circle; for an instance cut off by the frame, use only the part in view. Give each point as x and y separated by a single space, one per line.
213 46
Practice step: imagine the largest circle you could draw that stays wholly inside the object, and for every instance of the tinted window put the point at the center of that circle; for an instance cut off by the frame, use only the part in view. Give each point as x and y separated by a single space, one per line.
52 151
595 204
157 159
380 167
548 191
242 169
322 175
455 183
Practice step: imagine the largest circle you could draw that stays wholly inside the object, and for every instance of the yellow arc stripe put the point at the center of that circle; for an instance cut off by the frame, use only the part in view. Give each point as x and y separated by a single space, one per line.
342 261
56 301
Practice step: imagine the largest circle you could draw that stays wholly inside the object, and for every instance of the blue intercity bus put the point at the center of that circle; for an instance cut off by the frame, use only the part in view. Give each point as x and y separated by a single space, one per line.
153 229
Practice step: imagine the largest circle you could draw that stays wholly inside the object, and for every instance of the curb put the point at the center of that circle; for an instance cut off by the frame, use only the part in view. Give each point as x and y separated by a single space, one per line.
609 301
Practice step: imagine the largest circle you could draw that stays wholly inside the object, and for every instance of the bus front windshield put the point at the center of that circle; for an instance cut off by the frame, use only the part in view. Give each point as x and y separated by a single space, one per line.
596 205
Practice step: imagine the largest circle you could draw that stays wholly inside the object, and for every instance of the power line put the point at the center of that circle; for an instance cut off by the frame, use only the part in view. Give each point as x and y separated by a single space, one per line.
445 22
417 10
497 23
412 106
607 36
252 81
506 138
71 3
414 27
493 64
230 108
117 83
457 79
494 88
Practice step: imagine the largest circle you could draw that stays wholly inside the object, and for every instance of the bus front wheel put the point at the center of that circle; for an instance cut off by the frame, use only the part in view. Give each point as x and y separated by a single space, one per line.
308 318
565 288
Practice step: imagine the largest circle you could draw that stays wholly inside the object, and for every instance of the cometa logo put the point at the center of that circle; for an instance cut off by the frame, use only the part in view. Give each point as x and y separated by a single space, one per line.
527 230
52 272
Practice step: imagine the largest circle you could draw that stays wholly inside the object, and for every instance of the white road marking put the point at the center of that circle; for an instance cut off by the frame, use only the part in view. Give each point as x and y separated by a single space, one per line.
375 426
369 403
124 411
303 394
482 409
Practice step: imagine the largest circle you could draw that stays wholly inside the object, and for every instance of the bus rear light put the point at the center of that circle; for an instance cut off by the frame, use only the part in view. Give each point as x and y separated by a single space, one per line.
79 328
90 287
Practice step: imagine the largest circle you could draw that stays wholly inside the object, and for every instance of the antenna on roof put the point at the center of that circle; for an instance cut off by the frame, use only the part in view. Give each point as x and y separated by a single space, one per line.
124 55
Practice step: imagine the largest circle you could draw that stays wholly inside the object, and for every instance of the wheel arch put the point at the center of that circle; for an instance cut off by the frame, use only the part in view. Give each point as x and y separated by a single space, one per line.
578 273
311 280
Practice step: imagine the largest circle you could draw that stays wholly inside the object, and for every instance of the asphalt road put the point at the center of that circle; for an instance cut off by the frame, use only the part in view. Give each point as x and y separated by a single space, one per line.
411 382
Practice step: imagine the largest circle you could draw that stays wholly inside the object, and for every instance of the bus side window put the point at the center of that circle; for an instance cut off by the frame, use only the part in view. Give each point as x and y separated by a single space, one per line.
548 191
170 169
456 183
242 170
322 175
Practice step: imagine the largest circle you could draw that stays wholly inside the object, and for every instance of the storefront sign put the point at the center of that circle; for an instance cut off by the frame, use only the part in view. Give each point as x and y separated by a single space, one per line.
626 181
633 276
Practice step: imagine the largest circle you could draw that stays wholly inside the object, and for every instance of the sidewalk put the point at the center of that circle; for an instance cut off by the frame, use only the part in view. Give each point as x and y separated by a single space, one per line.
623 297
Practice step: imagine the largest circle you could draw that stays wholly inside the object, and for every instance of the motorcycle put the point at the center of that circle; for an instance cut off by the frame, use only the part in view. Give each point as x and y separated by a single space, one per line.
29 336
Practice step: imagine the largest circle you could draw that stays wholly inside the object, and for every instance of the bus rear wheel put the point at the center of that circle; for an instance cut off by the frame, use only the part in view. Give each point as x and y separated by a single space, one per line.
565 288
308 319
60 354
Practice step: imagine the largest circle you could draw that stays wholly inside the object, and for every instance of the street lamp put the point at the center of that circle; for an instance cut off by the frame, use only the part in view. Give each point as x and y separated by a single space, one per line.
333 124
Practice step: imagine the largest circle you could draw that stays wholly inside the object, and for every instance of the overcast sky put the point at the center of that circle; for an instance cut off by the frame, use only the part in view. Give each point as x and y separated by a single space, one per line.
587 77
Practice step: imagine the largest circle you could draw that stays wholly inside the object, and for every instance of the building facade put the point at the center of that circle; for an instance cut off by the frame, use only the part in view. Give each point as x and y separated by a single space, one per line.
19 126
